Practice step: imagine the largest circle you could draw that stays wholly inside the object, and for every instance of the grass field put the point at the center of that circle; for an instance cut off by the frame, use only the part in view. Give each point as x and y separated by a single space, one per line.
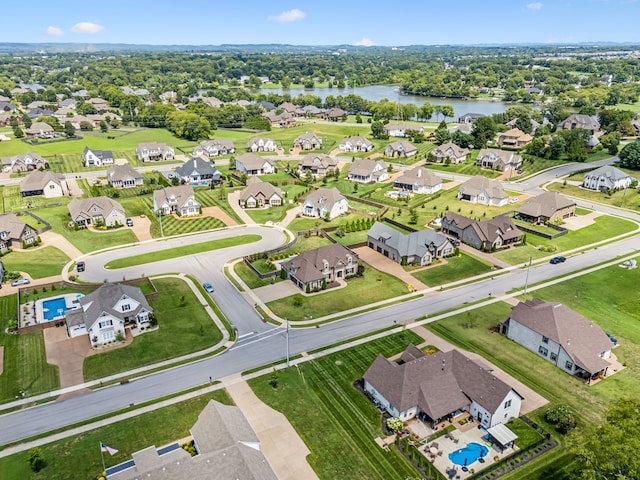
372 287
336 421
269 214
628 199
182 330
182 251
25 364
456 268
250 278
78 457
39 263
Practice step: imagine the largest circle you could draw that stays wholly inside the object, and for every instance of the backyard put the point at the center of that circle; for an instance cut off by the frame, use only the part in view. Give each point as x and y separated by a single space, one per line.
629 198
455 268
40 262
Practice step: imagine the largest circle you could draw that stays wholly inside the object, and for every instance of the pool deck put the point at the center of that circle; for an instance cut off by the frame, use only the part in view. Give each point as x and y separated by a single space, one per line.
32 313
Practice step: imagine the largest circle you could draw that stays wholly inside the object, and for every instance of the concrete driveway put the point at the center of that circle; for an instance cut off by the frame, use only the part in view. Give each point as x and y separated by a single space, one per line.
376 260
67 353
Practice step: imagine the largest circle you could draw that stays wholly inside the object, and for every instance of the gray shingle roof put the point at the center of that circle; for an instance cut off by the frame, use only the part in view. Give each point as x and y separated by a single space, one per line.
419 176
309 264
196 164
37 180
81 207
182 193
122 172
415 243
477 184
256 188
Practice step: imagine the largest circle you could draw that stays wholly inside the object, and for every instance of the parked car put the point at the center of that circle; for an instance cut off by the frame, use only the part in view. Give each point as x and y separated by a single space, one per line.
556 260
129 222
80 267
20 281
513 200
208 287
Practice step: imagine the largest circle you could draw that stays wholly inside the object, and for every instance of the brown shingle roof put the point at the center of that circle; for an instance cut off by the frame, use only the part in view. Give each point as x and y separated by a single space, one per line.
545 204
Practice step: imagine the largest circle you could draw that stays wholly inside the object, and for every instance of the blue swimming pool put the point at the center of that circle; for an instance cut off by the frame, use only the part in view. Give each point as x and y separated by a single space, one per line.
469 454
54 308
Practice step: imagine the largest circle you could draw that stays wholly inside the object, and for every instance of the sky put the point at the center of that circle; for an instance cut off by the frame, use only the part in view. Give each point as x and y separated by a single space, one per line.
322 22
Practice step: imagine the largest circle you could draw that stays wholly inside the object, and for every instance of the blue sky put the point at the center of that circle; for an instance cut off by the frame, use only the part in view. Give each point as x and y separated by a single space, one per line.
322 22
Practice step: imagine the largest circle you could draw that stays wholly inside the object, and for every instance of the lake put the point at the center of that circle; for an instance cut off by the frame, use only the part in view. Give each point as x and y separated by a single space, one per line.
375 93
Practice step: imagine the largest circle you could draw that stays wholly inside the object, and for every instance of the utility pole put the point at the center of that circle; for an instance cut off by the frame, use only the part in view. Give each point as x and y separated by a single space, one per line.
287 341
526 281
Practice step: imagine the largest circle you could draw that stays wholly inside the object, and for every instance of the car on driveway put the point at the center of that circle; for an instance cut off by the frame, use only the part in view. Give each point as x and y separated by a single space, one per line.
129 222
80 267
556 260
20 281
513 200
208 287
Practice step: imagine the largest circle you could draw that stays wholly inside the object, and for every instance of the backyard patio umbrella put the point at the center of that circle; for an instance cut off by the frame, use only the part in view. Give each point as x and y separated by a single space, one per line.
433 451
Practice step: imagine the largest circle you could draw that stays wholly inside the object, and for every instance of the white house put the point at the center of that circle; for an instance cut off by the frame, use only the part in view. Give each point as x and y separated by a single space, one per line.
215 147
355 143
97 158
606 178
100 210
418 180
497 159
261 144
325 203
154 151
45 183
561 336
438 386
450 151
484 191
104 313
363 170
180 199
252 164
401 129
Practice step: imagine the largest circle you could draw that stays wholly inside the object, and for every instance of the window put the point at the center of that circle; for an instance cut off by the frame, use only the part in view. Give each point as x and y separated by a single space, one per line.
543 351
545 339
108 335
126 307
568 365
554 357
507 404
106 323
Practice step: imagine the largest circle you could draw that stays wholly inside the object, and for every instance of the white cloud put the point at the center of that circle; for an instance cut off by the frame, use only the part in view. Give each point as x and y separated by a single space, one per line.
288 16
535 6
87 27
364 42
55 31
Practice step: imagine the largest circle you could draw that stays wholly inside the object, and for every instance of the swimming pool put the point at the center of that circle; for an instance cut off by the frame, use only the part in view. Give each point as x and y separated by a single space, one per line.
469 454
53 308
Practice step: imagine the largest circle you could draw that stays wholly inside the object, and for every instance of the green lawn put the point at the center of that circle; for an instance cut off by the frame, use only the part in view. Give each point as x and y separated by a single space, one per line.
250 278
527 436
301 224
456 268
182 251
211 198
372 287
604 227
336 421
38 263
628 199
269 214
182 330
25 364
78 457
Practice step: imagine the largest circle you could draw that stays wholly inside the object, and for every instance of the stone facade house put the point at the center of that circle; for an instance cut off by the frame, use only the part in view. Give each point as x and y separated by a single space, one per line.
14 232
546 207
307 141
96 210
486 235
23 162
318 164
311 268
450 151
258 194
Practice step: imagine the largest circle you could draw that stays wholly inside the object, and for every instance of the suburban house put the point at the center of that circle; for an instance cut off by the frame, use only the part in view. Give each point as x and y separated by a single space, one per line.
514 138
326 264
261 144
282 120
23 162
96 158
96 210
469 118
418 180
450 151
215 147
37 112
226 447
40 130
496 159
123 176
437 387
15 233
307 141
334 114
105 312
154 151
355 143
606 178
258 194
325 203
546 207
45 183
309 111
419 247
318 164
198 170
578 120
99 104
401 129
368 171
400 149
561 336
252 164
484 191
179 199
288 107
487 235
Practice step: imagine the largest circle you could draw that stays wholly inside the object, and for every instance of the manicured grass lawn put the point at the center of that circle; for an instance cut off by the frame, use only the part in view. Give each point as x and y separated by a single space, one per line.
270 214
211 198
336 421
301 224
456 268
25 365
39 263
629 199
79 456
181 330
351 238
538 228
527 436
604 227
372 287
182 251
250 278
466 168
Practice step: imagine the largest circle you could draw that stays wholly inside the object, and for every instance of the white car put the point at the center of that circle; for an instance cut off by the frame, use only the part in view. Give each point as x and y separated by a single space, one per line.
513 200
20 281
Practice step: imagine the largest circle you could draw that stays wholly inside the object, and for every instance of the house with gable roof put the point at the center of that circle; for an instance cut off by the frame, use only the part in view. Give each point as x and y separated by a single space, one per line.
252 164
23 162
198 170
439 386
492 234
482 190
318 164
15 233
180 199
546 207
105 312
310 269
418 180
578 120
497 159
214 148
419 247
364 170
258 194
561 336
154 151
262 144
514 138
450 151
307 141
123 176
40 130
606 178
46 183
355 143
96 210
325 203
97 158
401 129
400 149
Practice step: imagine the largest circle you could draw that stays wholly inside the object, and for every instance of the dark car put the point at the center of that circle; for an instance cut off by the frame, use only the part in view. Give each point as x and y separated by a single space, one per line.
129 222
208 287
80 267
556 260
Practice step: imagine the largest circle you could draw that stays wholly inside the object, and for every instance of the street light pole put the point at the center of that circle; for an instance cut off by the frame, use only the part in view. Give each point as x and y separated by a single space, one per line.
160 218
526 280
287 341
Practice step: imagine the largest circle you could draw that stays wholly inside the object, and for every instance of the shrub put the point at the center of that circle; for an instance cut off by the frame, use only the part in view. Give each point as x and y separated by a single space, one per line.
394 424
562 417
36 460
